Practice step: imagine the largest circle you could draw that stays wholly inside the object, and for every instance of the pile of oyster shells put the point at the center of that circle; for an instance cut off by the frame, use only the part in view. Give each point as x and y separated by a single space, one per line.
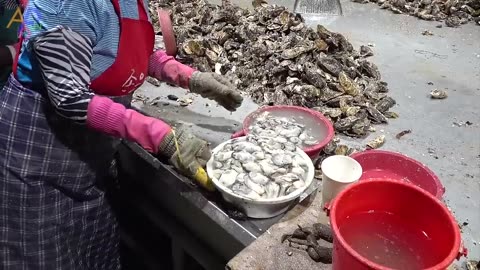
453 12
271 55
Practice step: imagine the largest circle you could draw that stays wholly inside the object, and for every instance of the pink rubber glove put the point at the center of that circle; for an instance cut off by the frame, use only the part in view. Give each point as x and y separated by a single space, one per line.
207 84
166 68
114 119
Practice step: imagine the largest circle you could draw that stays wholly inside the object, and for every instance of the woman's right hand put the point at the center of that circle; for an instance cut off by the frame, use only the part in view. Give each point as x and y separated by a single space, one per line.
188 154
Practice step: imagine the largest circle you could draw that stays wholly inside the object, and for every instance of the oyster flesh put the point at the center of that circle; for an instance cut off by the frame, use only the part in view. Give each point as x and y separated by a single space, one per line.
276 172
285 131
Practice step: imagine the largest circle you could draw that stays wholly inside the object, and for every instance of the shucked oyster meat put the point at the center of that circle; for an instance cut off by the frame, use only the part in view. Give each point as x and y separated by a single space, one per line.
260 167
272 56
284 131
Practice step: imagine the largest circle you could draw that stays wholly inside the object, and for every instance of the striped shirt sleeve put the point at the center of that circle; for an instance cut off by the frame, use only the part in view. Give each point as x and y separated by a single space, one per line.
65 60
8 4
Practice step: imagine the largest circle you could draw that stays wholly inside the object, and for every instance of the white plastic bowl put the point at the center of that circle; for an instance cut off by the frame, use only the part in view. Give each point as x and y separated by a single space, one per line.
264 208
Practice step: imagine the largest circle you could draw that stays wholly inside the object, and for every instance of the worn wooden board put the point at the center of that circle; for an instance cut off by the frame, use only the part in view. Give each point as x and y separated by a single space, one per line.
268 253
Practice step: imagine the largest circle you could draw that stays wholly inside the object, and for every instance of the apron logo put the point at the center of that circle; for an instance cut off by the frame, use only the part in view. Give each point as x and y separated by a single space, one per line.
16 18
133 82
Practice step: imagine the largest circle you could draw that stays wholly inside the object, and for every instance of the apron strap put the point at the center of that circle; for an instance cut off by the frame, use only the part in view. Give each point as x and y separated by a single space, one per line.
22 4
18 49
116 6
142 9
142 12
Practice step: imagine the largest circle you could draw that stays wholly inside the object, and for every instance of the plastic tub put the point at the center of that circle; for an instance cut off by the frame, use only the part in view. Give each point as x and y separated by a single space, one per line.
391 165
322 128
394 214
265 208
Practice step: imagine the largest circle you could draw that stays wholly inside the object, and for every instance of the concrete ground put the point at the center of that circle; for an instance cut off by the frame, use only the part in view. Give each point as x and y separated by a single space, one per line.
408 61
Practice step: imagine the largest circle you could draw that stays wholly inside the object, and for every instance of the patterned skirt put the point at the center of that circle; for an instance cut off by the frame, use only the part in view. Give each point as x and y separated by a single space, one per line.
53 209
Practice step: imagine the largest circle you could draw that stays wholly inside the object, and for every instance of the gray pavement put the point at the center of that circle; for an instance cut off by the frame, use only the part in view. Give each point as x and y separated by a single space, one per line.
450 59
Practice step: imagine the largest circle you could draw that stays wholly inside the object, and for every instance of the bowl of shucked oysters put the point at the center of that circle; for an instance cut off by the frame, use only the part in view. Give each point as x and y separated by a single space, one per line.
263 176
306 128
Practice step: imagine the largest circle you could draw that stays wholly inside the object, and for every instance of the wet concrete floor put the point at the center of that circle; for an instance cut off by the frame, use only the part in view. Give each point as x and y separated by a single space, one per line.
408 61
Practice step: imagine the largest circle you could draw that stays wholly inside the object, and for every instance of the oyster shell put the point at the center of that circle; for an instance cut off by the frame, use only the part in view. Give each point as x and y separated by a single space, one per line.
349 86
438 94
366 51
194 47
377 142
342 150
390 114
376 116
346 123
385 104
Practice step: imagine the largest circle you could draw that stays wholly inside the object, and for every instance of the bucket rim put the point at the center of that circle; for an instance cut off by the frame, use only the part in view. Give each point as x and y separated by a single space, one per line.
439 188
314 149
441 265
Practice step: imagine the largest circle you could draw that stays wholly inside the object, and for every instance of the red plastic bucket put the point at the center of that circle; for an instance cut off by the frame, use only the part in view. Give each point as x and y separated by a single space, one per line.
388 224
323 126
391 165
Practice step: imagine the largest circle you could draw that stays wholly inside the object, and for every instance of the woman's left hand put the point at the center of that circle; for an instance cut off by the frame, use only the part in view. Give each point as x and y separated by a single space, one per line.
216 87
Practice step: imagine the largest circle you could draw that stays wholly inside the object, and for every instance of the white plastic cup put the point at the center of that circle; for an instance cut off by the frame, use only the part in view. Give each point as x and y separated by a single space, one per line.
337 173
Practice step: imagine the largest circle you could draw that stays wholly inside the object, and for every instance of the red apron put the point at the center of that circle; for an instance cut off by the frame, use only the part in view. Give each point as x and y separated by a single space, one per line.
135 46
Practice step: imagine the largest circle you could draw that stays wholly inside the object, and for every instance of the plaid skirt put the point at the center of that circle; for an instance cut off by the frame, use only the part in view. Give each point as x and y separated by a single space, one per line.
53 209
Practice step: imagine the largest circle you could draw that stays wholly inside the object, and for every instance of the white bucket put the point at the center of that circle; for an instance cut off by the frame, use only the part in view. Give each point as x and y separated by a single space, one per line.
337 173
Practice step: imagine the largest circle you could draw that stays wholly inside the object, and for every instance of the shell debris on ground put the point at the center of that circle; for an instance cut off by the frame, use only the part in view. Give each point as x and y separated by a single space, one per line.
438 94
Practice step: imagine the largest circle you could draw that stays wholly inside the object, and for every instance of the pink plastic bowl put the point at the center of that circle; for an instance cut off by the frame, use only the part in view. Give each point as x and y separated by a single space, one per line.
391 165
323 129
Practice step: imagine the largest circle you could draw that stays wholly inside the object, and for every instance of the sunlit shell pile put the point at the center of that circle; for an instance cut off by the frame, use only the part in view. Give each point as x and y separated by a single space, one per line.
271 55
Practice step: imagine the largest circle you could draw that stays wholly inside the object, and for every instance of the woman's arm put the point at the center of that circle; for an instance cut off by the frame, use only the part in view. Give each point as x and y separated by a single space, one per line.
207 84
168 69
65 58
65 63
